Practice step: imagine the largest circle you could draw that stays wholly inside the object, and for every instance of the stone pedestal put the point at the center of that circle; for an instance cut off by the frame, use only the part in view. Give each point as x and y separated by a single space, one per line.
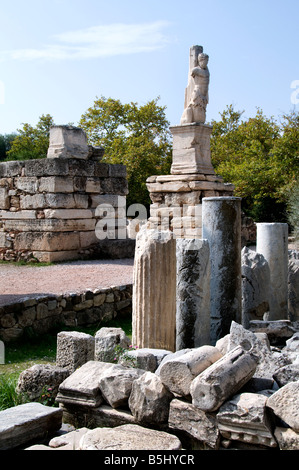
154 290
191 149
192 294
272 243
177 201
221 220
67 142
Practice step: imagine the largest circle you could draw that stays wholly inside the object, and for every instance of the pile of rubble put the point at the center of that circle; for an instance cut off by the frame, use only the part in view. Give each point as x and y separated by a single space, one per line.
241 393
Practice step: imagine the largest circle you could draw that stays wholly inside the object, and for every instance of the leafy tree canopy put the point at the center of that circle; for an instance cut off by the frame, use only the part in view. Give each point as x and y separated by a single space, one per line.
32 142
5 144
260 157
136 136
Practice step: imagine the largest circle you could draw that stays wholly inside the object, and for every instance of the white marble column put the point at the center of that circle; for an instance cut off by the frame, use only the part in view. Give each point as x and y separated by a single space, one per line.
221 226
272 243
154 290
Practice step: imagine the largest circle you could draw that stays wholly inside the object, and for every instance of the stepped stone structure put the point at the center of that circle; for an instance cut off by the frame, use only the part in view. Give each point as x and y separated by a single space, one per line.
48 207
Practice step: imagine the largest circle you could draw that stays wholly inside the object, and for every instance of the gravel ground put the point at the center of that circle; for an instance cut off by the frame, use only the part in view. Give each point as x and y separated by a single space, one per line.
17 282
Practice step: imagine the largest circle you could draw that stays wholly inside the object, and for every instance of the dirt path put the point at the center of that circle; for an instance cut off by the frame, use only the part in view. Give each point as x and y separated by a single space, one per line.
17 282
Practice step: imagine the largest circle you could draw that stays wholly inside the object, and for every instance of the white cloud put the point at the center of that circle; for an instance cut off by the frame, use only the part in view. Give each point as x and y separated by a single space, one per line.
97 41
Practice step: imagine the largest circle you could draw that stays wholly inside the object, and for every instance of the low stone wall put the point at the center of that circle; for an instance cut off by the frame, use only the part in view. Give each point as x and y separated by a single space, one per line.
40 315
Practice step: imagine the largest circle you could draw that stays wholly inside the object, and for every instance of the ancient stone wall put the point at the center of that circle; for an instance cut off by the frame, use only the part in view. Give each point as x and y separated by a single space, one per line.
48 206
39 315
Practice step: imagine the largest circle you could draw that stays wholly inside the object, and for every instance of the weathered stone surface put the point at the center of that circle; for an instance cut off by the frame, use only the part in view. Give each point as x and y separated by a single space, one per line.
33 381
128 437
56 184
149 400
285 404
272 243
287 438
68 441
268 361
154 306
21 424
278 331
222 379
74 349
177 374
116 384
68 142
193 297
147 359
244 418
47 241
184 416
82 387
107 340
255 286
286 374
293 285
221 226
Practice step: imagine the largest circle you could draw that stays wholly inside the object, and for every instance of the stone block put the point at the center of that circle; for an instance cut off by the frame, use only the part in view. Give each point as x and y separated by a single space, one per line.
32 381
4 199
55 256
27 184
245 418
35 201
47 241
149 400
19 215
74 349
68 214
21 424
197 424
59 201
50 225
46 167
68 142
56 184
108 200
13 168
106 341
129 437
82 386
94 185
191 149
285 404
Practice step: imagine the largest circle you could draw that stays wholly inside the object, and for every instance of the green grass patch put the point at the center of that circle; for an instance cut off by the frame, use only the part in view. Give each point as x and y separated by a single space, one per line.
33 350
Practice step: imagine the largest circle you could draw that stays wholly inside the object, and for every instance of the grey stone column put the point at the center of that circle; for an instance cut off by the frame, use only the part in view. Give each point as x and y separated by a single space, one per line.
221 219
192 293
154 290
272 243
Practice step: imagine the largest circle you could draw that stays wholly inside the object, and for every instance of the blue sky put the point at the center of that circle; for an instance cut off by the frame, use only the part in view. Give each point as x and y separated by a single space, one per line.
57 57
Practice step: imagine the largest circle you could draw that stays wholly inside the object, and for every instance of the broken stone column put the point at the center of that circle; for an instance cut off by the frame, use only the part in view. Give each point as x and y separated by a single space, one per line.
272 243
255 286
192 293
221 219
224 378
154 290
177 373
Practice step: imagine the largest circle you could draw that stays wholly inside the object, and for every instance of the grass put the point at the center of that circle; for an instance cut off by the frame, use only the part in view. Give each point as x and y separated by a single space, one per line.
38 350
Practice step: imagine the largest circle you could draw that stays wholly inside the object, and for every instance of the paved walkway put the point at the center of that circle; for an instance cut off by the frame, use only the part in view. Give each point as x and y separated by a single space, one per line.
18 282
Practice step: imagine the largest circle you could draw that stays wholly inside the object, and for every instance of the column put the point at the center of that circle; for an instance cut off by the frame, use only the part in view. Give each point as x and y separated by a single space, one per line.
221 219
192 293
154 290
272 242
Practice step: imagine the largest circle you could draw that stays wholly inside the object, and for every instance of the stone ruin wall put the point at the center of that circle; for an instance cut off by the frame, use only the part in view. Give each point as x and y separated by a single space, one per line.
48 206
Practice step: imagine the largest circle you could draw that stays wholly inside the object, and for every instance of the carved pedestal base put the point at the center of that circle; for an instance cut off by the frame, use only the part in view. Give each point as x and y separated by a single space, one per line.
191 149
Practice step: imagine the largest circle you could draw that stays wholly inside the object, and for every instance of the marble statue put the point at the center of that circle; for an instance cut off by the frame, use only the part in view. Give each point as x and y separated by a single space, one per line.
197 92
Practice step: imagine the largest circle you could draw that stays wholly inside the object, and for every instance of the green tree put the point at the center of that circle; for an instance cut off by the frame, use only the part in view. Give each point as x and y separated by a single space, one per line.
136 136
260 157
32 142
5 144
293 210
